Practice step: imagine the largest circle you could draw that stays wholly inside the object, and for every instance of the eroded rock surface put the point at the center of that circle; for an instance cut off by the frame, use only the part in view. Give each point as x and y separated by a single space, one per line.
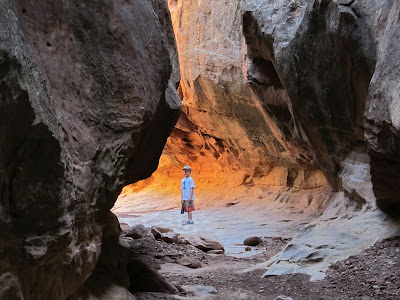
88 99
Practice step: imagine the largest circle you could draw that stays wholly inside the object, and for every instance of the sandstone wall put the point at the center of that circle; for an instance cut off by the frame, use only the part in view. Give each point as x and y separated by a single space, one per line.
88 99
282 93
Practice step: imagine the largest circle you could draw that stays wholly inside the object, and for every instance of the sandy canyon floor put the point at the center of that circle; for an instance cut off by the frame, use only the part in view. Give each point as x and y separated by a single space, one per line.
238 274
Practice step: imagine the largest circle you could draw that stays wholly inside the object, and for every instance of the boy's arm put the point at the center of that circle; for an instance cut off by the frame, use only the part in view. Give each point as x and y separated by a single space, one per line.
191 193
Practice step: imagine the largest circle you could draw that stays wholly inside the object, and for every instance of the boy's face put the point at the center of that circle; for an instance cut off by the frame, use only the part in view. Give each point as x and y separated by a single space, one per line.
187 172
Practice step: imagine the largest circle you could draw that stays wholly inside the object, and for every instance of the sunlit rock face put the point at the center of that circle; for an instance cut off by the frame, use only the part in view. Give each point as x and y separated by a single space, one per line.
237 126
88 99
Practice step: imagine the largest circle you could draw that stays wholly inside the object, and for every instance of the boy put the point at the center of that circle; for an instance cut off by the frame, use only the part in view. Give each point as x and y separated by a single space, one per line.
187 193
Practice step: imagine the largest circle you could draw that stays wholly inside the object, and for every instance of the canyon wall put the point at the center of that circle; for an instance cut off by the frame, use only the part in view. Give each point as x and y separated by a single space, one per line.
286 94
293 103
88 99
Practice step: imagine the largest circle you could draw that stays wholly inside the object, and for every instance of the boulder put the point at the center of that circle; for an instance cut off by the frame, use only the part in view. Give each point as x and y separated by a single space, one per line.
204 241
252 241
171 237
138 232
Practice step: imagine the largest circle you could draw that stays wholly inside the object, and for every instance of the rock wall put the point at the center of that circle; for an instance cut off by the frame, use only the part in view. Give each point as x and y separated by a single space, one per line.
282 93
382 112
336 108
88 99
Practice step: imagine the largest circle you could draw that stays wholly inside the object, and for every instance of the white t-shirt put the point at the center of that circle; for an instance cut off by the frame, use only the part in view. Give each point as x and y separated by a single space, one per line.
186 184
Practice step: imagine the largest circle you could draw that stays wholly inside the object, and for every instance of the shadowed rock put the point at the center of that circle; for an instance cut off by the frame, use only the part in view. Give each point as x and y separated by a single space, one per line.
87 102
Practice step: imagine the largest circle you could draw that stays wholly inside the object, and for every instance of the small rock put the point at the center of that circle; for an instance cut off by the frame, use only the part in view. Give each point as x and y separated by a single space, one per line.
247 249
156 233
252 241
189 262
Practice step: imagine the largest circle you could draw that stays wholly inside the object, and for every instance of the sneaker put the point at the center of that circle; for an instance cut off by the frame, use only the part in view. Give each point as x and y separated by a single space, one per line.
190 222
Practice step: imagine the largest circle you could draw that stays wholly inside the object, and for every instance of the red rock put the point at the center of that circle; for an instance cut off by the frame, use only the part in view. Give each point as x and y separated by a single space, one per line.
204 241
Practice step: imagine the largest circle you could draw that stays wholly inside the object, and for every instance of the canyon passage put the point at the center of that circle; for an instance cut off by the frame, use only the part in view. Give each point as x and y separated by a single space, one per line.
287 112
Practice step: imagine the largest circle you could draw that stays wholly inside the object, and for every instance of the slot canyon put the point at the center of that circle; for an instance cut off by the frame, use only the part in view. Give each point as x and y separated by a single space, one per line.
288 113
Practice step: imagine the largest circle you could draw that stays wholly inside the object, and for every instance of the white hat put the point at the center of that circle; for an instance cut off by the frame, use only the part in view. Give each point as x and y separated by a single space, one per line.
187 168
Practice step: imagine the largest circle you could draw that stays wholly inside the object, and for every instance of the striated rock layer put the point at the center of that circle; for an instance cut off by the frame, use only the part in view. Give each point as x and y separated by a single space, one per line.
88 99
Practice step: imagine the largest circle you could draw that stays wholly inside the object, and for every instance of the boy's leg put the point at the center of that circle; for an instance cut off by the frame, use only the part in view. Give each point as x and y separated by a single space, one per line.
190 216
